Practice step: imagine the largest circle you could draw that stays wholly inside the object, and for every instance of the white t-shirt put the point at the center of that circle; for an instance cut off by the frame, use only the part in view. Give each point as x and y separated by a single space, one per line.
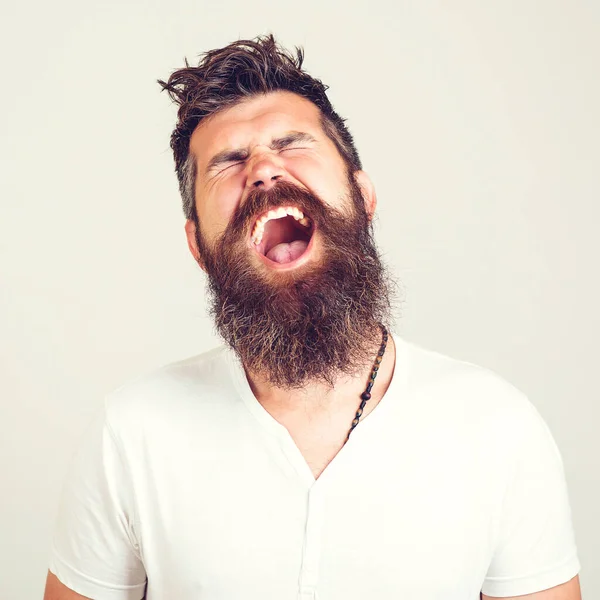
453 484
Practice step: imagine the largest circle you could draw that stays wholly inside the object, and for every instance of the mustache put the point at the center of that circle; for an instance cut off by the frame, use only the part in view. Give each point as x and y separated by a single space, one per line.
281 194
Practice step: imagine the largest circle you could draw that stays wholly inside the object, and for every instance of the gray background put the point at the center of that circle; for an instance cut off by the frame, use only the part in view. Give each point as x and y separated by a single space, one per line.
477 121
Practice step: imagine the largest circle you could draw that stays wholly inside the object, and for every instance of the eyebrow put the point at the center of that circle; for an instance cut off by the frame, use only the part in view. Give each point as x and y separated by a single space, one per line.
225 156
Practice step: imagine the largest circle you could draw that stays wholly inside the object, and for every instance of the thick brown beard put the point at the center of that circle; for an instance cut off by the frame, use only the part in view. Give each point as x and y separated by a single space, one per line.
316 323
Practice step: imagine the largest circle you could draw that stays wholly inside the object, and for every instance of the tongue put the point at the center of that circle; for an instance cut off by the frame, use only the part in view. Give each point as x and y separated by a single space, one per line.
287 252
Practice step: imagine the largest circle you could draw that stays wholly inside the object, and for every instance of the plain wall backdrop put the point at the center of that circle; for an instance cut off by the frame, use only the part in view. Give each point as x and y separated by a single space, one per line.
478 122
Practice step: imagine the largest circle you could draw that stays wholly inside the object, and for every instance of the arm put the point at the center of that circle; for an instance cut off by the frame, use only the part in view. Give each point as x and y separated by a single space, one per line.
566 591
56 590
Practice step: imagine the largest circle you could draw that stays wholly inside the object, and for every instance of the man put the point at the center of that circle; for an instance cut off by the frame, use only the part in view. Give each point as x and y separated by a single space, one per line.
316 455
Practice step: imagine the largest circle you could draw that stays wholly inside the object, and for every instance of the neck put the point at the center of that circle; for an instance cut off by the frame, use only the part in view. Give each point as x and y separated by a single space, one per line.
318 402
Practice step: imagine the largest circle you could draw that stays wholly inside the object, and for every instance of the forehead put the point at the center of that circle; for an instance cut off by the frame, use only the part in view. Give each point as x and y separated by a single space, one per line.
255 121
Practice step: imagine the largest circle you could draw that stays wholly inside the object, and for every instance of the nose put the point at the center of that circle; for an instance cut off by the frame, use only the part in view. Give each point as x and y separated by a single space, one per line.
264 172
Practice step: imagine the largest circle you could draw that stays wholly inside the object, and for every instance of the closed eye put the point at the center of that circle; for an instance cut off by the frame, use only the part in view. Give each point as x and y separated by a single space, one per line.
239 162
295 148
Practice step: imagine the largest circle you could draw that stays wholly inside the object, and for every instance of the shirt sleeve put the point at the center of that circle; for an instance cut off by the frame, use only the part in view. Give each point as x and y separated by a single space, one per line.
94 548
536 547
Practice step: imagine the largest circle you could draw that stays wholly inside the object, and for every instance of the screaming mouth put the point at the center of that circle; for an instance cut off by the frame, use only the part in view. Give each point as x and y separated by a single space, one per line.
282 234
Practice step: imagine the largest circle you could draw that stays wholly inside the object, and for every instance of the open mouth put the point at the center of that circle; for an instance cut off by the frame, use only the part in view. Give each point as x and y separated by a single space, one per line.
282 235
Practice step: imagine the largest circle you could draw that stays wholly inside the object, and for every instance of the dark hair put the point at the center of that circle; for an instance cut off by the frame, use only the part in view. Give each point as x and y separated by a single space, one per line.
227 76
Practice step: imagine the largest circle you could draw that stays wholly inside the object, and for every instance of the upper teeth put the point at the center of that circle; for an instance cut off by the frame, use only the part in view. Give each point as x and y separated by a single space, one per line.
277 213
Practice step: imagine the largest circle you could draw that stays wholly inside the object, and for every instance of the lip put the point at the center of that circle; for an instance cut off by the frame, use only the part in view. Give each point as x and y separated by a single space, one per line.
294 264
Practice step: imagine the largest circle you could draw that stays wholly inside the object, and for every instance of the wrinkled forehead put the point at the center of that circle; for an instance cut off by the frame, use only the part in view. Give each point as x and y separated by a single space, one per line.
254 122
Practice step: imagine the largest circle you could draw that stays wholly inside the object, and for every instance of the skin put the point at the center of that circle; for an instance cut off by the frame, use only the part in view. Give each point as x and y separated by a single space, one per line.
57 590
252 124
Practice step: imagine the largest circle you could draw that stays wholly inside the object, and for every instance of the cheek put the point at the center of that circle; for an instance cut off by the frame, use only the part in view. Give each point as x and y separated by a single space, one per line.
217 209
321 176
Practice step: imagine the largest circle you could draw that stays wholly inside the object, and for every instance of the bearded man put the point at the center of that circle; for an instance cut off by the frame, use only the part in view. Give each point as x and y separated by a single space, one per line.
316 454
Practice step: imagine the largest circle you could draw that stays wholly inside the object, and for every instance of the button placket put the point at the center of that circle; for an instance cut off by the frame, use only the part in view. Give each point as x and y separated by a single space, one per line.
309 573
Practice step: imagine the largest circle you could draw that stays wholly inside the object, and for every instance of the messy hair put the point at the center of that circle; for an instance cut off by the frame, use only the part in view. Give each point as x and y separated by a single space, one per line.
226 76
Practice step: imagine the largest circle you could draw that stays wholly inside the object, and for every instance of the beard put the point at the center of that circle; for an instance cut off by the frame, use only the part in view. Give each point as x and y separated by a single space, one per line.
313 323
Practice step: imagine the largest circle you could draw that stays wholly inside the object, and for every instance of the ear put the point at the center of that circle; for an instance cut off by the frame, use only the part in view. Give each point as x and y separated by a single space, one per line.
368 191
190 232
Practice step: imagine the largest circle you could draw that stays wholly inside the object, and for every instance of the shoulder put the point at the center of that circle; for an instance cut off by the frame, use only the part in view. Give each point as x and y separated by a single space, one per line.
471 415
467 393
171 394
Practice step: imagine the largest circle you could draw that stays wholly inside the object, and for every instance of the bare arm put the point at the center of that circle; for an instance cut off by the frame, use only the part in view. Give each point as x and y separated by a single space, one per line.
56 590
566 591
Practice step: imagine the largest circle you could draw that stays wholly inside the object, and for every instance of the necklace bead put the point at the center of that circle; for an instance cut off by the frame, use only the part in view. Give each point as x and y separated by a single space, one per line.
366 395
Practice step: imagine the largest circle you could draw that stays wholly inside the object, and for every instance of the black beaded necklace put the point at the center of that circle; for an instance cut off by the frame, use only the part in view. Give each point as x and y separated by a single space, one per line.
366 395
